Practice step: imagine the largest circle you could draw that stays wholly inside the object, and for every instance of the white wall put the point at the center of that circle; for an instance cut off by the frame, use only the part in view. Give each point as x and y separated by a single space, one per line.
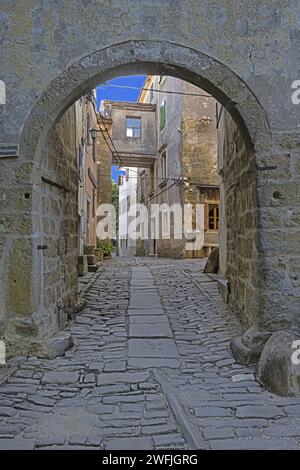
127 246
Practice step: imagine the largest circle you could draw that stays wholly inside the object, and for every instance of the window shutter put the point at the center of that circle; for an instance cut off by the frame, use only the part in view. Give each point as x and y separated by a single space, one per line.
162 111
206 214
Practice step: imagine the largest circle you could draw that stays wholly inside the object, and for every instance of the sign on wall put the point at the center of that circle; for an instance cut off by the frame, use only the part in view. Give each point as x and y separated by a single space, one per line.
9 150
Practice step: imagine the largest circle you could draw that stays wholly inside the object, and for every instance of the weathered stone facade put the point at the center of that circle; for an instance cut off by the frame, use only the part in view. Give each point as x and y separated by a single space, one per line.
34 316
104 162
238 227
245 56
185 169
199 159
130 151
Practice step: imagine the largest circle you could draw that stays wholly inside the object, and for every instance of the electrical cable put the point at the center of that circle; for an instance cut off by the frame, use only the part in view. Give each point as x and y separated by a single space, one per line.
110 139
157 91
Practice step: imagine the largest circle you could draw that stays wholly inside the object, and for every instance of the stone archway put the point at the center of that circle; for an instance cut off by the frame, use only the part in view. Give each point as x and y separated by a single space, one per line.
32 335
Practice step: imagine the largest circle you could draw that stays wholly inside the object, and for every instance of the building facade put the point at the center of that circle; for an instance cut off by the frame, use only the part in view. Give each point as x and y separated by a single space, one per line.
127 212
184 171
86 148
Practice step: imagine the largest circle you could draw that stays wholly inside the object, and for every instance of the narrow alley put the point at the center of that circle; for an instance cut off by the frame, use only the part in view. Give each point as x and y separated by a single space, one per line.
150 369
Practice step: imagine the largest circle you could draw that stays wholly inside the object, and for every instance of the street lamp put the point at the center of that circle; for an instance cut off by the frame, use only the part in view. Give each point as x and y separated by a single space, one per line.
94 133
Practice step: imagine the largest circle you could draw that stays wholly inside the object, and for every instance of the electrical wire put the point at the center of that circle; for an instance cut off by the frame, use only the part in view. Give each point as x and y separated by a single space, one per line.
157 90
137 177
110 139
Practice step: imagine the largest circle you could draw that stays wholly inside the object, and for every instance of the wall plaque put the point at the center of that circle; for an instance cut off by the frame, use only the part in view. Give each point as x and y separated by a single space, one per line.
9 150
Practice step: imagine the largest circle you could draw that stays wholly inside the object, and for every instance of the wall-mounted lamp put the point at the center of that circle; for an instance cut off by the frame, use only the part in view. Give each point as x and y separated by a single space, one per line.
94 133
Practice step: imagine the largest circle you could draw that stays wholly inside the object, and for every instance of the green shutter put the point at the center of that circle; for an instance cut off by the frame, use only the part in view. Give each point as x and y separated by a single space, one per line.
162 115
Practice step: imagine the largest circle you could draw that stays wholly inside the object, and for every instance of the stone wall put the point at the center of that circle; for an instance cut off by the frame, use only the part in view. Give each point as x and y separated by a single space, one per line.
238 232
90 169
104 159
55 252
199 159
59 219
199 137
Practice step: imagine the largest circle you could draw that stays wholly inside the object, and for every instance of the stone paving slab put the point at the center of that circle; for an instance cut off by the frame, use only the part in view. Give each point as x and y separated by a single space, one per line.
116 378
60 377
146 311
146 319
150 330
162 348
128 443
19 443
145 304
146 362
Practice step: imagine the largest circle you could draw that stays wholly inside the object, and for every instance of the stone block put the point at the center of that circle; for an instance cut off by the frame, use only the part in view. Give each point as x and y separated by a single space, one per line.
276 370
91 259
212 264
248 348
82 265
59 345
89 250
98 254
62 319
92 268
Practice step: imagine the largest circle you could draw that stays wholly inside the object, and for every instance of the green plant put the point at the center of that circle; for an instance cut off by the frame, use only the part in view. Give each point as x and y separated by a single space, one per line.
105 246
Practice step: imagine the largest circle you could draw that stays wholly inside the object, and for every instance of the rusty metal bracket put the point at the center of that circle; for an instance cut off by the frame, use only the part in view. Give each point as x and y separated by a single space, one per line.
56 185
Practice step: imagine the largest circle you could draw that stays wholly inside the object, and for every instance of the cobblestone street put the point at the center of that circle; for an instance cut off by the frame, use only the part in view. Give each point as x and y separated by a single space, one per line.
151 369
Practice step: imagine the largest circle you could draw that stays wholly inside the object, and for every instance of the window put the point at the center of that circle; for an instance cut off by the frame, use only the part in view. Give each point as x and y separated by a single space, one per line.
164 164
127 174
162 115
213 216
133 127
128 203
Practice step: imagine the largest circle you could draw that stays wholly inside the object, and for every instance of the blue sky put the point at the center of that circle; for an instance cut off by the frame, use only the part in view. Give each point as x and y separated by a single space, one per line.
120 94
